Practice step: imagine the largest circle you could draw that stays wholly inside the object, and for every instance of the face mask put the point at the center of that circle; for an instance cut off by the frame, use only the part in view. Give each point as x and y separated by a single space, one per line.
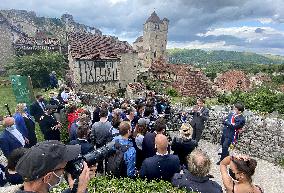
60 180
41 100
232 174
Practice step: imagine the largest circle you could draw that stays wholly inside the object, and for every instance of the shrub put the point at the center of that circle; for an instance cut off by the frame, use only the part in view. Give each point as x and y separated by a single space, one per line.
172 92
38 66
105 184
188 101
260 99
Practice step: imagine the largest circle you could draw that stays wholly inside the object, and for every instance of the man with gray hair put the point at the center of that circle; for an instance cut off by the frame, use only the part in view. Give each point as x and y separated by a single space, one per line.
196 178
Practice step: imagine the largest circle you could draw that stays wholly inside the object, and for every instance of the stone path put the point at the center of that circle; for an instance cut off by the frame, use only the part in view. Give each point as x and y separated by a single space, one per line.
268 176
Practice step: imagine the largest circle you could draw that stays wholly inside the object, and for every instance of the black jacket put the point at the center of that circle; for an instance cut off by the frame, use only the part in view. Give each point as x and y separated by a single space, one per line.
182 148
47 125
196 184
86 147
160 167
198 119
36 111
148 145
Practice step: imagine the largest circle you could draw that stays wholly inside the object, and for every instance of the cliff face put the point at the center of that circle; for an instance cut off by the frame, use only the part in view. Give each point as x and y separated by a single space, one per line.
18 23
30 23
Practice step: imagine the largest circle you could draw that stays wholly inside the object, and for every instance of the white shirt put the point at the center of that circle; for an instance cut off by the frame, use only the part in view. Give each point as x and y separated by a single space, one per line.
16 134
64 96
138 140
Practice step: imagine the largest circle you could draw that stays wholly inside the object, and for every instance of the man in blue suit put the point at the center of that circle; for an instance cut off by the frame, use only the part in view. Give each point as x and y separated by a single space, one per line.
233 124
11 138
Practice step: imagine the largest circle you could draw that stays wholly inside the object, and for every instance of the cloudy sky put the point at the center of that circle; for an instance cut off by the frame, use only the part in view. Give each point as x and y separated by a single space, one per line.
241 25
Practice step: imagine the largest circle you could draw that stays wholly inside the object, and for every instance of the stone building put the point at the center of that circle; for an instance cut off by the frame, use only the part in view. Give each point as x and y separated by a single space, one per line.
259 79
152 45
135 90
101 62
186 79
29 45
232 80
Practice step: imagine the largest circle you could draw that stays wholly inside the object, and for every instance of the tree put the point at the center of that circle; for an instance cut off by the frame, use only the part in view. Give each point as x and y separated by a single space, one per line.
38 66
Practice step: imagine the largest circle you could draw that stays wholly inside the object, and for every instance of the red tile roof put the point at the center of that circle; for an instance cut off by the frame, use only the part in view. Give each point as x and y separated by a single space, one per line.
136 87
139 39
232 80
190 81
154 18
90 46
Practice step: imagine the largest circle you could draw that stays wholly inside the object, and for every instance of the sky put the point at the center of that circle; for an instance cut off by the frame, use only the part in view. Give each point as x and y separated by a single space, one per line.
240 25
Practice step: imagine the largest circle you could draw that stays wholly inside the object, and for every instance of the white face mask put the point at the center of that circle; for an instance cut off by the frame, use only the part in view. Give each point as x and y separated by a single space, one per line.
60 180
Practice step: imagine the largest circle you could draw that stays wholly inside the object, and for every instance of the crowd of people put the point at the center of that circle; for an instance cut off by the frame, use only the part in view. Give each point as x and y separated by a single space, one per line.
141 147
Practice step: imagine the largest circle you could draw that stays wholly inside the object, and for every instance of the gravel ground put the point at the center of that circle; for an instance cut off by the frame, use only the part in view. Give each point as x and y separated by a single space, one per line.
268 176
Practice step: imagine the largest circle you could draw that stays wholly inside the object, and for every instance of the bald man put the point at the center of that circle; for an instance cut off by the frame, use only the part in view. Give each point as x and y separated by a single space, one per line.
11 138
161 166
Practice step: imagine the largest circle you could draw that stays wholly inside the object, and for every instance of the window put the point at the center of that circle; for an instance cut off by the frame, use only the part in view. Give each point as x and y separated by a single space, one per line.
157 26
155 54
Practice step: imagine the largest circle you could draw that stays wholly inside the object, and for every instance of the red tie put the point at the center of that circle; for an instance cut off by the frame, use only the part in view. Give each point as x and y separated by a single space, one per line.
233 120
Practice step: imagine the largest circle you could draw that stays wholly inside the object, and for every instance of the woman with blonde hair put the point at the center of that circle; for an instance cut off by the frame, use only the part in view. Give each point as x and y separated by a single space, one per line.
25 124
183 144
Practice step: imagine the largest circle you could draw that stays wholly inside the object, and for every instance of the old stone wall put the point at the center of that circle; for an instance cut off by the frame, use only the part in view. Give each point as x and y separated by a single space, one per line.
263 137
128 69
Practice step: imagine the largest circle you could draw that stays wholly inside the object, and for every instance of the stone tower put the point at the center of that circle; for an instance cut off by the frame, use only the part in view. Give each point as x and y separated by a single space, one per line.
153 44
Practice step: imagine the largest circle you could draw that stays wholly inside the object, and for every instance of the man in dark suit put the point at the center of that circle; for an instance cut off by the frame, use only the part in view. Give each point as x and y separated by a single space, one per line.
148 144
11 138
38 107
200 115
161 166
48 124
233 124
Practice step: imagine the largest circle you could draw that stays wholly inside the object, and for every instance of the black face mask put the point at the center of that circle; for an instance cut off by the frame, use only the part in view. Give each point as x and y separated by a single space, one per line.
232 174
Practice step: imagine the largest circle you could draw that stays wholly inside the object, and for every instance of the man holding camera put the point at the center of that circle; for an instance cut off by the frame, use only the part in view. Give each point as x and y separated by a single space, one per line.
42 167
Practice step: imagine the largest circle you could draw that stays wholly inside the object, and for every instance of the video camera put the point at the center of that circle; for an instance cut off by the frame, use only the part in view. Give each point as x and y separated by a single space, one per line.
75 167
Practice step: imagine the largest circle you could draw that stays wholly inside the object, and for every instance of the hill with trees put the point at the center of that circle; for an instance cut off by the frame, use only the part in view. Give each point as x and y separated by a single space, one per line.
202 58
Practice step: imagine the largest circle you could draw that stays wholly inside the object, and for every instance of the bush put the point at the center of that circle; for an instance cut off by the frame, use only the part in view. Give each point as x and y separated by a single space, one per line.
261 99
188 101
38 66
172 92
105 184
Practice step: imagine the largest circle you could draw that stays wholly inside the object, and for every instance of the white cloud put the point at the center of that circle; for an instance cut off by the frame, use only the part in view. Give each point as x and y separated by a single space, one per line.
201 45
248 33
113 2
265 20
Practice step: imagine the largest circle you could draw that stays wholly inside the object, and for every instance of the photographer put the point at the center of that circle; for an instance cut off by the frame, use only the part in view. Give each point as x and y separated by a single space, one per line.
42 167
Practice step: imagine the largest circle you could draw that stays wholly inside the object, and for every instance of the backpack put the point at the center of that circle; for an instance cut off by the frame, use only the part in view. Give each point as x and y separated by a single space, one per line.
116 165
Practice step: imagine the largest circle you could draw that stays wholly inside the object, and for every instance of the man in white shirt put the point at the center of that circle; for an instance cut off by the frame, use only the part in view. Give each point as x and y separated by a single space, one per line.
11 138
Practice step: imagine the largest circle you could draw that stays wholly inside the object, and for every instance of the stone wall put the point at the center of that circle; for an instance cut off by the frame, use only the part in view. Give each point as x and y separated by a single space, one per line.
128 69
263 137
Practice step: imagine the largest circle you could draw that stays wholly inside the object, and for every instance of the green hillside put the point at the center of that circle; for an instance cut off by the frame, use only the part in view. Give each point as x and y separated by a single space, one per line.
201 57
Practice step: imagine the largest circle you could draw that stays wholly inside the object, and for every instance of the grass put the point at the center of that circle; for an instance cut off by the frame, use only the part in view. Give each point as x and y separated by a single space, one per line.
7 97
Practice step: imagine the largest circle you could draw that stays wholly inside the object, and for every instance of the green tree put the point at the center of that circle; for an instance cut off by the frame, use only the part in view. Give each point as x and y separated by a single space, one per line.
38 66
